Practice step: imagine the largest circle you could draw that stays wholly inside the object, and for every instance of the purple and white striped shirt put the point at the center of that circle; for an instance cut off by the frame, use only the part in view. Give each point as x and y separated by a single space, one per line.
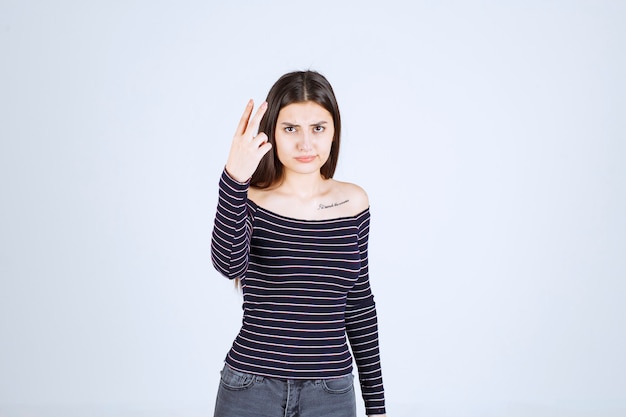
305 288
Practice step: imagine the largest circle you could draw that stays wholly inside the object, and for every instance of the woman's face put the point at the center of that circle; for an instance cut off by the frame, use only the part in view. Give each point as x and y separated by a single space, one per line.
304 136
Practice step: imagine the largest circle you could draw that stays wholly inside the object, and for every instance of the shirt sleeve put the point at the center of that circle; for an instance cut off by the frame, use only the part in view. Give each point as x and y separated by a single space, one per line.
362 329
230 241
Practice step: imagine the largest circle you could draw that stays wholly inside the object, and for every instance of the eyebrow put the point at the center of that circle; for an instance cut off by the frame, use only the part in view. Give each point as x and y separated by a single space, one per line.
323 122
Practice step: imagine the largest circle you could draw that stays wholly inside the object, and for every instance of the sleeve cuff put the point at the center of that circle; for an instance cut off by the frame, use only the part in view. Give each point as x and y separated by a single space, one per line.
233 182
375 411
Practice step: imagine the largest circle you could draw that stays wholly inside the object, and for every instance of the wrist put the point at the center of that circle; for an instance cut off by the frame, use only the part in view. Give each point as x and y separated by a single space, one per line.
235 177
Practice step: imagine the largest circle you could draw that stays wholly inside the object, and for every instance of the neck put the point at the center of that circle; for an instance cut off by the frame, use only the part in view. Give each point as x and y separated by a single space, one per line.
303 186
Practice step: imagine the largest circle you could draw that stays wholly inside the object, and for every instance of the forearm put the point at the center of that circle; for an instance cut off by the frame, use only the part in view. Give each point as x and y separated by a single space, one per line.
362 330
231 230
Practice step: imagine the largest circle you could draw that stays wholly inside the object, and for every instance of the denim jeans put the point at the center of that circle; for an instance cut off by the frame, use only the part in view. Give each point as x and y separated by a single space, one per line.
246 395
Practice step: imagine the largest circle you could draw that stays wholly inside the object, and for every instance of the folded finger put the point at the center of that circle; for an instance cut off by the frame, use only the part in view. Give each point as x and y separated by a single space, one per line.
260 139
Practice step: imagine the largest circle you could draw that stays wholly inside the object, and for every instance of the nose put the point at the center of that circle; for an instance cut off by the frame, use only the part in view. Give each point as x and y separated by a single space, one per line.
305 142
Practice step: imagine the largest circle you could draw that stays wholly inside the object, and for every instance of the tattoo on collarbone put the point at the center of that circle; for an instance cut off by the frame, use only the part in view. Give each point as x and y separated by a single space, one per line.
336 204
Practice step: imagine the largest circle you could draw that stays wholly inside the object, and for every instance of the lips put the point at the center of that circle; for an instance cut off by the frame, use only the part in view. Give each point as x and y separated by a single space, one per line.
305 159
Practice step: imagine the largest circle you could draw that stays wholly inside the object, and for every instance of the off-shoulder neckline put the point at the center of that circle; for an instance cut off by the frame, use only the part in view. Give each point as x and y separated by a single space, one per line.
294 219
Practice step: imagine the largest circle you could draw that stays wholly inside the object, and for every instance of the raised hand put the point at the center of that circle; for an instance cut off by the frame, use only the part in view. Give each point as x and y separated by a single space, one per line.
247 149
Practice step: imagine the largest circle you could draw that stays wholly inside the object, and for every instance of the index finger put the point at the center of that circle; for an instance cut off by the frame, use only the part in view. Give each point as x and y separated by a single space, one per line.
243 122
256 120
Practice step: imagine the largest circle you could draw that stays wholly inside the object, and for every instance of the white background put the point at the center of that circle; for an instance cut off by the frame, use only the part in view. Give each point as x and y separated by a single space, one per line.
490 136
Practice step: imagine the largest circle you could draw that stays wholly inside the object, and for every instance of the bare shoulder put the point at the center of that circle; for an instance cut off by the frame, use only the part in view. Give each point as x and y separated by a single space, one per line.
255 194
355 194
336 199
259 195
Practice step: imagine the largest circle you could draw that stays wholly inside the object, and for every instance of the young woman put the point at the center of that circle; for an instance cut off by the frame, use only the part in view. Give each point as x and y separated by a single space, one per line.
296 240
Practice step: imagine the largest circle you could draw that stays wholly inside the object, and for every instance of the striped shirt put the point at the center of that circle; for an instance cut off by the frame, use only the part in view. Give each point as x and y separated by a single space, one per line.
305 288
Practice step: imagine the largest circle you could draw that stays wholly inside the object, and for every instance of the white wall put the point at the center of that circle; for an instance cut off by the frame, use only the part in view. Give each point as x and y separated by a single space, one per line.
490 136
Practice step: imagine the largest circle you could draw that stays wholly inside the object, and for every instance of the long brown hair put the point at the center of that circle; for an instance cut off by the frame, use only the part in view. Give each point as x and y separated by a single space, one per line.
296 87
